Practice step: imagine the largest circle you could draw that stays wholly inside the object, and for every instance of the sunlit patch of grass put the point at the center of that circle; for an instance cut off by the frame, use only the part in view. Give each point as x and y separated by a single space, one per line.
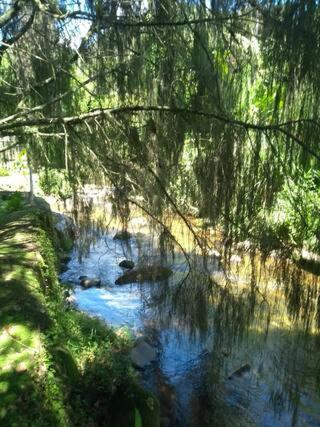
28 390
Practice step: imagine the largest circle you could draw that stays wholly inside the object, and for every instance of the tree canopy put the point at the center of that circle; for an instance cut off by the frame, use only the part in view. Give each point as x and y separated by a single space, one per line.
210 104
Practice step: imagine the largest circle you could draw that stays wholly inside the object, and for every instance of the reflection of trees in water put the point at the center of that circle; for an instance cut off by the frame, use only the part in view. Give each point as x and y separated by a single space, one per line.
293 371
302 294
89 229
272 325
192 297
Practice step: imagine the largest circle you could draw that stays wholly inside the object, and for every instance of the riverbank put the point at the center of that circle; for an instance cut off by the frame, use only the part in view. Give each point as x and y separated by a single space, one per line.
58 367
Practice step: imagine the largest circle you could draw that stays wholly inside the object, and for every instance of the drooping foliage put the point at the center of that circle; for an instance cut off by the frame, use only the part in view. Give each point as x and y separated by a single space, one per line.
212 105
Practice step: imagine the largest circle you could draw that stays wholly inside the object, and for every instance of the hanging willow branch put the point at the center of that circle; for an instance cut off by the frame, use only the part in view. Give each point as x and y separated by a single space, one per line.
5 124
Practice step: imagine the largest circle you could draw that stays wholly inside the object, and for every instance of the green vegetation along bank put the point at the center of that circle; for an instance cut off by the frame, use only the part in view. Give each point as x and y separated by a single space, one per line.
58 367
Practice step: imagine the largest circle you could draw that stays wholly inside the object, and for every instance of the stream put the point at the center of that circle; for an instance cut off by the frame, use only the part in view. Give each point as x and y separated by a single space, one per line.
225 355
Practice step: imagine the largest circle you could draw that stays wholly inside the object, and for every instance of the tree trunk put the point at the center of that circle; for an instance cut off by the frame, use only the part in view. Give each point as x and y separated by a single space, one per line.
31 191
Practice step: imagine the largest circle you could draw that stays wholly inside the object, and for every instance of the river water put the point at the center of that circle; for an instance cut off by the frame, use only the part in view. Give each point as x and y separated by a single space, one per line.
229 352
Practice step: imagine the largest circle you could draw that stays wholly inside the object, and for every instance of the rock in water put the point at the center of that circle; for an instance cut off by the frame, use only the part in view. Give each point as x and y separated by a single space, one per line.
142 354
90 283
152 273
126 263
122 235
239 372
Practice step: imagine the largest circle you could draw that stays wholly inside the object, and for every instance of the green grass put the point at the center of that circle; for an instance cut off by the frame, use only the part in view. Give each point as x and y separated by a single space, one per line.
58 367
24 319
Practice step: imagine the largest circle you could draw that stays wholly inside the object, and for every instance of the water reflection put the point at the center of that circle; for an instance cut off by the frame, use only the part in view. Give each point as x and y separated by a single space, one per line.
208 325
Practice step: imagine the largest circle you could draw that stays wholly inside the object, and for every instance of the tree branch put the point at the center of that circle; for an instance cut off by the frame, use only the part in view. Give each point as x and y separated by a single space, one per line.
147 24
11 13
104 112
46 104
4 45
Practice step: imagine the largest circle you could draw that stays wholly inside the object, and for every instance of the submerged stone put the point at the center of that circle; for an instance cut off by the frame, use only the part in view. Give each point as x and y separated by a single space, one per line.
126 263
152 273
90 283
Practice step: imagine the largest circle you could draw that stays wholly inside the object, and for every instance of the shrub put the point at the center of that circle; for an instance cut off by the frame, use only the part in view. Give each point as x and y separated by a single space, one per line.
11 203
299 203
55 182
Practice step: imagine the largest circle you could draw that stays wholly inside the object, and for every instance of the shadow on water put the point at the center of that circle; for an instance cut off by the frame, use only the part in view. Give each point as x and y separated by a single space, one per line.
241 349
282 368
273 334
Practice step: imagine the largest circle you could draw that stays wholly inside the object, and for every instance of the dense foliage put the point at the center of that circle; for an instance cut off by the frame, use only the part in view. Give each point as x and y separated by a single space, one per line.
185 103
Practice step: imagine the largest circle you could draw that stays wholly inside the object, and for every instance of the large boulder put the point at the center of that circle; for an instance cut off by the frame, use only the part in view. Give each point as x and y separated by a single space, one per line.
63 223
90 283
142 354
126 263
152 273
65 230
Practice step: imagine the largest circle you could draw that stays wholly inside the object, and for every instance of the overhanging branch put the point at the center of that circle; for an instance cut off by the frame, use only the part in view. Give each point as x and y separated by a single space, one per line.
105 112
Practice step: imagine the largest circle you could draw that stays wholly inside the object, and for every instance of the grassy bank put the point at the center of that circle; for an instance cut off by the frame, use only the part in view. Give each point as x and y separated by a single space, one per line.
58 367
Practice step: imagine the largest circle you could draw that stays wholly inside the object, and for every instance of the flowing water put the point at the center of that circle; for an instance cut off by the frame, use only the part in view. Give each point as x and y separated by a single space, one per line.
236 352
